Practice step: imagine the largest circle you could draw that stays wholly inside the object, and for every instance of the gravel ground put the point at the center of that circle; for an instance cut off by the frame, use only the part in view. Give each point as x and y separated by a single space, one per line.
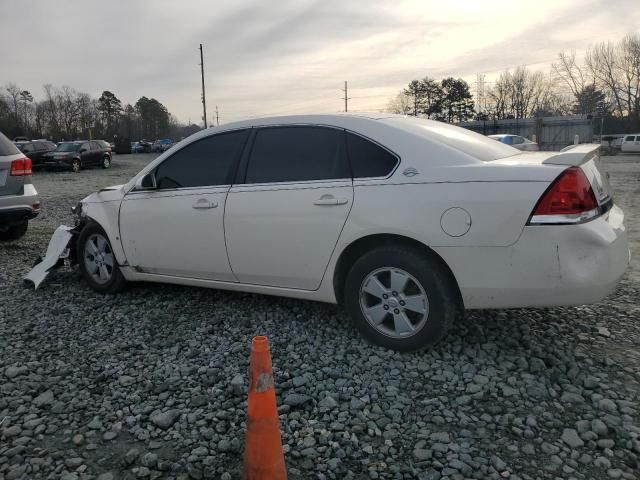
150 383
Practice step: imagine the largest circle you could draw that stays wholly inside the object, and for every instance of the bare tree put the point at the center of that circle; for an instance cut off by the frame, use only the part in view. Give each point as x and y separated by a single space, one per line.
573 75
401 104
602 61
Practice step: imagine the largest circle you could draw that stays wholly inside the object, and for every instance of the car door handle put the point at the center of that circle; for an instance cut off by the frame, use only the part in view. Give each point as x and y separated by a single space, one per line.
204 204
330 200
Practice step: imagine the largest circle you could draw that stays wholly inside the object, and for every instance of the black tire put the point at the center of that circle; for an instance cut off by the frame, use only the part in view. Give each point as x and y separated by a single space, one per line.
116 282
14 232
106 162
428 273
76 165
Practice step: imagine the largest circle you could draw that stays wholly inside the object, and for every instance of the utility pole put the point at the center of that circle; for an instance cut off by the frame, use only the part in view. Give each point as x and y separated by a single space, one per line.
204 101
346 98
217 118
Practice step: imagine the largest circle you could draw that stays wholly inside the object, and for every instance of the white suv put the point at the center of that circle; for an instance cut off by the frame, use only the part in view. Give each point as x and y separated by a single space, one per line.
403 220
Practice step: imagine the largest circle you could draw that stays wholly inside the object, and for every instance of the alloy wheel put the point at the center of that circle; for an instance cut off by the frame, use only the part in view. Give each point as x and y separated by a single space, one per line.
394 302
98 258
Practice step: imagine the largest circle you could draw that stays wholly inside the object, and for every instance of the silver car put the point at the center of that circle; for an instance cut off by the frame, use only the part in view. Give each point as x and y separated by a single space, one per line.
18 197
516 141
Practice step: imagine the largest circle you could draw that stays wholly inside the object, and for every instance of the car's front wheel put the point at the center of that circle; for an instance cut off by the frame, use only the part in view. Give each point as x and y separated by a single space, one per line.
76 165
97 261
401 298
106 162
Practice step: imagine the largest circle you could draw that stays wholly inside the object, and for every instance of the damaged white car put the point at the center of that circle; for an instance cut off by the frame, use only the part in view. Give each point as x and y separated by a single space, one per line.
404 221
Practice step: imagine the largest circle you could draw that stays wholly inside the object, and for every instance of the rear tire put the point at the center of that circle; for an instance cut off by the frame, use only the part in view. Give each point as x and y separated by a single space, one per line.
401 298
76 166
97 262
14 232
106 162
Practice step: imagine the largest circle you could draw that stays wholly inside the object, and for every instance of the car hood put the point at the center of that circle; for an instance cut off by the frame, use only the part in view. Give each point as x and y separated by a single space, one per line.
107 194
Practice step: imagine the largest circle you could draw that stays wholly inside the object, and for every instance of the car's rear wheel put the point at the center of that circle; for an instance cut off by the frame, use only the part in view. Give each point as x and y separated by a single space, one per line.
97 261
401 298
106 162
76 165
14 232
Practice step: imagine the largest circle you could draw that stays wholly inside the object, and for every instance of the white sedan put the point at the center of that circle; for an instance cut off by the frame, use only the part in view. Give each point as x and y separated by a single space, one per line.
404 221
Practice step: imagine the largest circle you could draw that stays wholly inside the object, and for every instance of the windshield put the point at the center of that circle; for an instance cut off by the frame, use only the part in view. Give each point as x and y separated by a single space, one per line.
68 147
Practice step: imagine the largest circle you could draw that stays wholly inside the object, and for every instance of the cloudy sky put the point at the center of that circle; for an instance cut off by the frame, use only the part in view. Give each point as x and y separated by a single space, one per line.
267 57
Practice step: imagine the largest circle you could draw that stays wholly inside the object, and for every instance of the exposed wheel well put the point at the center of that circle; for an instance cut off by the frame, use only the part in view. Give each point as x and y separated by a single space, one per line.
354 251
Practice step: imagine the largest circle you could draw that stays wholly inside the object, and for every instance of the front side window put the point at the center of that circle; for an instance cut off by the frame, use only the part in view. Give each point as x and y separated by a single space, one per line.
368 159
206 162
95 146
297 154
85 147
68 147
28 148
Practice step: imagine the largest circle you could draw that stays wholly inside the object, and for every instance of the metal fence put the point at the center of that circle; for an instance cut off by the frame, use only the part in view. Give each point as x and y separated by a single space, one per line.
551 133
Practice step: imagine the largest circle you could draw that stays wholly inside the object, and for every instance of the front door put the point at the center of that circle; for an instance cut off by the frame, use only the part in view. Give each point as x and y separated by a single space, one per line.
178 228
284 218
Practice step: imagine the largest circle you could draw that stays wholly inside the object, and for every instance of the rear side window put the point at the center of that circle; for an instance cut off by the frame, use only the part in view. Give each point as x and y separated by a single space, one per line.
7 147
629 138
28 148
96 146
297 154
368 159
207 162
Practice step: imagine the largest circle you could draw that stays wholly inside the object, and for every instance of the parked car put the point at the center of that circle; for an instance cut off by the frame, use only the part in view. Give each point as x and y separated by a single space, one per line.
630 144
402 220
35 149
516 141
77 155
136 147
19 201
162 145
20 139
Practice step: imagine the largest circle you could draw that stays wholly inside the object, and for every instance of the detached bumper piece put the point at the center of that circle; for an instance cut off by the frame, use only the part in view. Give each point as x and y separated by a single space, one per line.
58 251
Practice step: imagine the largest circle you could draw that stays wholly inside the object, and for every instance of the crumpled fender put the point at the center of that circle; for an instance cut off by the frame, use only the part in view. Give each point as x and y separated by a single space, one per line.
103 207
58 249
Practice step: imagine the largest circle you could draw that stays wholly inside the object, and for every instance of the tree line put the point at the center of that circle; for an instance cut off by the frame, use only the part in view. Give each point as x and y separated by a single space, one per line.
605 84
63 113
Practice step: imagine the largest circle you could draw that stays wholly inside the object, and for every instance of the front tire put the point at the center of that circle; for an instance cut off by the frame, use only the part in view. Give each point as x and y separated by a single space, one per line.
76 166
97 261
106 162
401 298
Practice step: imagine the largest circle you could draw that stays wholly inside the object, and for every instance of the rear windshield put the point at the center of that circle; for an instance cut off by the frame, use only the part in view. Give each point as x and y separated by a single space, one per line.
68 147
7 147
471 143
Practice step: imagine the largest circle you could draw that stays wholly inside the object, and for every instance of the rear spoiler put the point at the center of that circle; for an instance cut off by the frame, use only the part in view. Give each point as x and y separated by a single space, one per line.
574 155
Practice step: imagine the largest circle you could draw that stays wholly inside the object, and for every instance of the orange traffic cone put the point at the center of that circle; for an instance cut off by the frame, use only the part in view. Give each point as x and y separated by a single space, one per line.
263 456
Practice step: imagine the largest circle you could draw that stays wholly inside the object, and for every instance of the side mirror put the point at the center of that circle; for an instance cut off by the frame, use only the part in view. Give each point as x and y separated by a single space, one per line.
148 182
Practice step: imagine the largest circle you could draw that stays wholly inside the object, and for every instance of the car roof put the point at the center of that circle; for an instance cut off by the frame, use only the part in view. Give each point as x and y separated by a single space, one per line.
389 130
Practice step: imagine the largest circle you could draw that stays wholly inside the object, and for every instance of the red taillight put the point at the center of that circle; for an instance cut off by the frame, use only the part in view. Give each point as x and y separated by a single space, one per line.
20 167
569 199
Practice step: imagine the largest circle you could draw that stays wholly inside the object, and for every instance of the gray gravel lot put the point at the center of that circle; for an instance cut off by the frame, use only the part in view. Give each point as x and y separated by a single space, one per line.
150 383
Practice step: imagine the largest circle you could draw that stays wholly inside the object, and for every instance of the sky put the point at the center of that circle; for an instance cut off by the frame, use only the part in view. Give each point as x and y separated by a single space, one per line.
265 57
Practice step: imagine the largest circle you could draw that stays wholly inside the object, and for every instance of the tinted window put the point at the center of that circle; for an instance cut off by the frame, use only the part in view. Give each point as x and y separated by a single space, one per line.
96 146
40 146
28 148
85 146
297 154
7 147
209 161
368 159
629 139
517 140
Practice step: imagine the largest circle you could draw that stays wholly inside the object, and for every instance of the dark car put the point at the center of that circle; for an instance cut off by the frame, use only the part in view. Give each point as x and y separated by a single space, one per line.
35 149
77 155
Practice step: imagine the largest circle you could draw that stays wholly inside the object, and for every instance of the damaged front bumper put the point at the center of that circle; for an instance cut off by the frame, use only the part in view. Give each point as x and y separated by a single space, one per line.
61 250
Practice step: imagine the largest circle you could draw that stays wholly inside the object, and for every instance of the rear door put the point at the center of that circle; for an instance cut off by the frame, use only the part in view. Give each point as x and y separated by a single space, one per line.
97 152
283 219
8 152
